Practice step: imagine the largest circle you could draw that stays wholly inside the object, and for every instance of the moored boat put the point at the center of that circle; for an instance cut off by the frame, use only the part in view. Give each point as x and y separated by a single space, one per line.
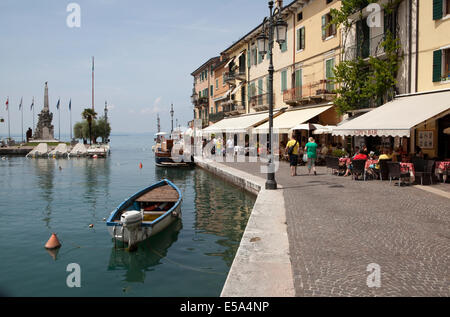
164 150
146 213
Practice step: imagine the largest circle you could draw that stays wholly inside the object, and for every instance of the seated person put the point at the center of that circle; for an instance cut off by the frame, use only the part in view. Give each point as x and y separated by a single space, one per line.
358 156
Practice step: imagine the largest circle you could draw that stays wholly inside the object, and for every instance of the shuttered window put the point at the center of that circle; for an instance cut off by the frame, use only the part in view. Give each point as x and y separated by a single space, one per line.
437 66
329 73
437 9
301 39
283 81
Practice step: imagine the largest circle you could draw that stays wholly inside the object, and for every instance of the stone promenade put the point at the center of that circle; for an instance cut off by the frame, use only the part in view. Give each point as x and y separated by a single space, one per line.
337 227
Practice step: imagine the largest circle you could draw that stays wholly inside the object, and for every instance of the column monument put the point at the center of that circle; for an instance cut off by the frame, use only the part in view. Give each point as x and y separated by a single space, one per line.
44 128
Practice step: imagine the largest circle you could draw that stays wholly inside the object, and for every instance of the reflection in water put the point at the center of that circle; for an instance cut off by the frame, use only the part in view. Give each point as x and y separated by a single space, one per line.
97 172
45 170
148 255
217 213
174 174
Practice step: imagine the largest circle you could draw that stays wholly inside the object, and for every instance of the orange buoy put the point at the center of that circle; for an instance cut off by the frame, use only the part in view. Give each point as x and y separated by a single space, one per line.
140 165
53 242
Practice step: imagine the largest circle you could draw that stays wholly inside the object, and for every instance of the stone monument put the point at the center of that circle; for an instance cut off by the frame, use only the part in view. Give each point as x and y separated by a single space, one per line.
44 128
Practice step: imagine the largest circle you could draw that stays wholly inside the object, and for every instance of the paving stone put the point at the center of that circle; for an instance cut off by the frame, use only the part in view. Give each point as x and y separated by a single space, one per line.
337 227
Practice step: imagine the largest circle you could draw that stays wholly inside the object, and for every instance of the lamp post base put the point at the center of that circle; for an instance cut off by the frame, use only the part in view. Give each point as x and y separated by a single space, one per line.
271 184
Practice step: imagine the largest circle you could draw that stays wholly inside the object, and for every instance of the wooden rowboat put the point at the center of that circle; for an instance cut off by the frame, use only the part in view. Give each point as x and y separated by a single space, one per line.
146 213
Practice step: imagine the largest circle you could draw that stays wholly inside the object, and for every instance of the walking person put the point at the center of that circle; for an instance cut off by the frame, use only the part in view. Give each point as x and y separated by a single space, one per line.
292 148
311 151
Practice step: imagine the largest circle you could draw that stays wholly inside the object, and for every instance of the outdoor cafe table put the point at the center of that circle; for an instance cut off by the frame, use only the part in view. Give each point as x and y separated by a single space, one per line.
441 167
408 168
370 162
345 161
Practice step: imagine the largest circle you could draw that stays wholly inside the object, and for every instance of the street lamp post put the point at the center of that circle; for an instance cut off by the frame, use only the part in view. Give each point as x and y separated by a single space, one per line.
265 42
171 114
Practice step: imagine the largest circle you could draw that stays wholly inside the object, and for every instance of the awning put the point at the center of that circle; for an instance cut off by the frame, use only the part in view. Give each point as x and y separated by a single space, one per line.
223 96
236 89
325 130
398 117
229 62
289 119
238 124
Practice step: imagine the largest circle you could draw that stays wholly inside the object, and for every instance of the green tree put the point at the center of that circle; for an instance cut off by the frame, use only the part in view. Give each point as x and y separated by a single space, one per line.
103 129
89 115
78 131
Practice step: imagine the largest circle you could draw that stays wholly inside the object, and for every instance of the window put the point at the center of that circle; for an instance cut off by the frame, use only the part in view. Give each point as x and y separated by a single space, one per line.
327 28
283 81
329 74
329 1
299 16
441 8
301 39
212 91
223 80
254 58
284 46
441 65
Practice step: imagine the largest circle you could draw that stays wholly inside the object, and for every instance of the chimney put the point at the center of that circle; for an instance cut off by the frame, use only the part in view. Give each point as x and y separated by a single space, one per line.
280 4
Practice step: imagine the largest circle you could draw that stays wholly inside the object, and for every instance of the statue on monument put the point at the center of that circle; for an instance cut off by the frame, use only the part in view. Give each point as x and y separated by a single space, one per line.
44 128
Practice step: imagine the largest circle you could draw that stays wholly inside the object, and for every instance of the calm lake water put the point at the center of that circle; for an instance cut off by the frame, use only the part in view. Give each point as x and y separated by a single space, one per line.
41 196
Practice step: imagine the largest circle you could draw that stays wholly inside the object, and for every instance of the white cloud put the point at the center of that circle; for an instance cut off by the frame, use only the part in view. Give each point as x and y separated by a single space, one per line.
154 109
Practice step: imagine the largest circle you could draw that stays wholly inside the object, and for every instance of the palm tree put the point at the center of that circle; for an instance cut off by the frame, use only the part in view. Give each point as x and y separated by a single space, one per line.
89 115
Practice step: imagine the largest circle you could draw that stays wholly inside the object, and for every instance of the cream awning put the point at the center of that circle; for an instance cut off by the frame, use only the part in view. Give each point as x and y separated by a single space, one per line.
223 96
398 117
238 124
236 89
289 119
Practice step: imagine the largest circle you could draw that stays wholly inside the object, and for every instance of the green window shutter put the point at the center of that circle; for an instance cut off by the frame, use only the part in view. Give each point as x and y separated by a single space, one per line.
324 30
302 34
329 74
267 85
437 66
299 40
260 86
283 81
437 9
249 60
284 46
217 84
212 90
298 78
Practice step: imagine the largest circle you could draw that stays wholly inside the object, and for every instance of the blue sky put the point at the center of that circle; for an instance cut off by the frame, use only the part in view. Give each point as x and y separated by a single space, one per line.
144 52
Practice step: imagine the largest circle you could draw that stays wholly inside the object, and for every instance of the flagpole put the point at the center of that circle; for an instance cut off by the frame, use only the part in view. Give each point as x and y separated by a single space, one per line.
21 108
33 114
70 111
9 128
59 121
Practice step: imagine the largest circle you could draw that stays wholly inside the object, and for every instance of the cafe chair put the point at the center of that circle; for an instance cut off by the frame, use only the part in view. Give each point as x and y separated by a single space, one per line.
394 172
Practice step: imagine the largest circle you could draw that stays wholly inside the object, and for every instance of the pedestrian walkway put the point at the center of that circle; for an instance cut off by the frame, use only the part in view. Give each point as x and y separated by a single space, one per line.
337 227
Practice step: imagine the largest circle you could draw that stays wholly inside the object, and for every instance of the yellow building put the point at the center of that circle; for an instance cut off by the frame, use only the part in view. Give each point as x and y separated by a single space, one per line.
434 45
434 71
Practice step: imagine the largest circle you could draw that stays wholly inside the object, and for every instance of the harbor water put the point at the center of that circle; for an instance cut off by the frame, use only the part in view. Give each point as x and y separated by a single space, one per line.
66 196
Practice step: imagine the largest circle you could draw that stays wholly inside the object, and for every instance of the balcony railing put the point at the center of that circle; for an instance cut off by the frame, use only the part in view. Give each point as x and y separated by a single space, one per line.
322 90
366 48
231 77
232 108
202 101
215 117
261 102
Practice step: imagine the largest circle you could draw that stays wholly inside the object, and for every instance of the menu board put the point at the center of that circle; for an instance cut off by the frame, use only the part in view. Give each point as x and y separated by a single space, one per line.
426 139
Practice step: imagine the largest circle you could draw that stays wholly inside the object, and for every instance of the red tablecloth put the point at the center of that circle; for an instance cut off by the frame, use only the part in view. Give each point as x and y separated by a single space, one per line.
370 162
442 166
407 167
345 160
